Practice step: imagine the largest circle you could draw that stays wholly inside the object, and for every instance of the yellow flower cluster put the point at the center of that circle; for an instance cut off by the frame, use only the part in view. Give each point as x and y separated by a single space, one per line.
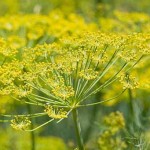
115 120
40 28
71 68
52 61
128 81
88 74
108 138
8 73
56 113
13 79
5 49
20 123
63 91
125 22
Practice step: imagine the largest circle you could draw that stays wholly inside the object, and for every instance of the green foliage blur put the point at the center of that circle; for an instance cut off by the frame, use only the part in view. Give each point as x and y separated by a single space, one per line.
21 140
88 8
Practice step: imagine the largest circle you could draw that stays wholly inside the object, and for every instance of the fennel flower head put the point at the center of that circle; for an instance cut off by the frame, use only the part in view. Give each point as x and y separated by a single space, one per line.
61 76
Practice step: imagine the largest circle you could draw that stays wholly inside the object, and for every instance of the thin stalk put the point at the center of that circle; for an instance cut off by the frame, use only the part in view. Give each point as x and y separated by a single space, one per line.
106 83
32 134
40 126
105 70
131 103
103 101
77 129
29 115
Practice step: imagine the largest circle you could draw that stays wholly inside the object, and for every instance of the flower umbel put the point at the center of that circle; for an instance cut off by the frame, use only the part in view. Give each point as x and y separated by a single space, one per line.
20 123
55 113
128 81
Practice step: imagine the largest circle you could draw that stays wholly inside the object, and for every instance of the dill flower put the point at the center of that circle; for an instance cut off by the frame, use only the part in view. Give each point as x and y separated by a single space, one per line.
5 49
62 75
20 123
22 90
128 81
68 72
115 120
125 22
63 92
73 68
41 29
88 74
109 139
56 113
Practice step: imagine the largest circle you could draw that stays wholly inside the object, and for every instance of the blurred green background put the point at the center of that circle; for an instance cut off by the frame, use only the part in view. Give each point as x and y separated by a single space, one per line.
89 8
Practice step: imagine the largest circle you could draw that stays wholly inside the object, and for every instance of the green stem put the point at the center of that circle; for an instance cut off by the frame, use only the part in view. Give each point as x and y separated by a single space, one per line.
77 129
131 103
32 134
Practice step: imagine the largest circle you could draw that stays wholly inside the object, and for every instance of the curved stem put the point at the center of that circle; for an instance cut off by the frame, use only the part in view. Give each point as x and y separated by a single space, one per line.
77 129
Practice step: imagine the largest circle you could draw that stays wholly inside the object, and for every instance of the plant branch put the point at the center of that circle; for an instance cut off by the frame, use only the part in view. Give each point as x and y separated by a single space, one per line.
77 129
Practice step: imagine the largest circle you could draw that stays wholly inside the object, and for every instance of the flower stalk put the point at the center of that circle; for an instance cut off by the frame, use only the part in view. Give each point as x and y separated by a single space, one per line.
131 103
77 129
